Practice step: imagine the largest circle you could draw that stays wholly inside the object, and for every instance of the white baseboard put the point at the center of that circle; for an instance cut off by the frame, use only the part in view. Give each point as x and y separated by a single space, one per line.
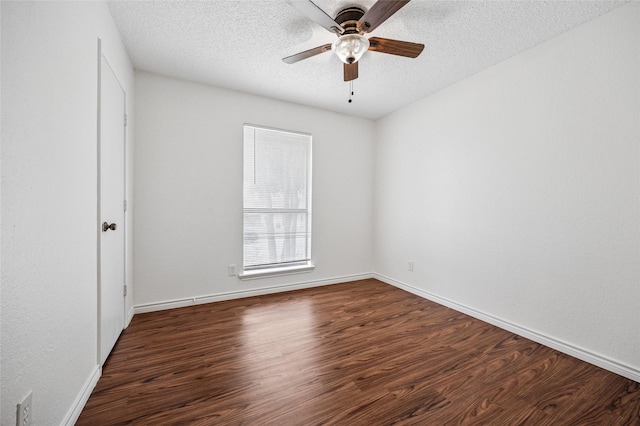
564 347
76 409
179 303
129 316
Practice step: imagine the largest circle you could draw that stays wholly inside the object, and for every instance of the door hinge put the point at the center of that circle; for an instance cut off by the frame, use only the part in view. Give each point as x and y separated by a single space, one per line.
125 120
124 205
125 291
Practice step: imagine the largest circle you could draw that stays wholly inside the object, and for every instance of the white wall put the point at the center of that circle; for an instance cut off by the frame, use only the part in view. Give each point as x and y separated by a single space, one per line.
49 199
516 192
188 177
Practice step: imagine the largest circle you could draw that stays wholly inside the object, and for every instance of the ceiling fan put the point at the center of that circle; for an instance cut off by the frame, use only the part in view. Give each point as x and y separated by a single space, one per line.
350 25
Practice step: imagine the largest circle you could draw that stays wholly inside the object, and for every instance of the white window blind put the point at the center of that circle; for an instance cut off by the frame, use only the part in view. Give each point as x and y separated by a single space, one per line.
276 198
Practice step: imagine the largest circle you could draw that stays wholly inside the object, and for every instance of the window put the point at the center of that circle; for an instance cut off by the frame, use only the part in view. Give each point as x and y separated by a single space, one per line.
276 202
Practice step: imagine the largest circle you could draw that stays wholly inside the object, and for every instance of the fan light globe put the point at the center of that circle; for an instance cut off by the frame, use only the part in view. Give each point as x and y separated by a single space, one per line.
350 47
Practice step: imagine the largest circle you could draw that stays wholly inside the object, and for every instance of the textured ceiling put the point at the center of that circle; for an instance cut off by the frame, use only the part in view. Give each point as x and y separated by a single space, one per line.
240 45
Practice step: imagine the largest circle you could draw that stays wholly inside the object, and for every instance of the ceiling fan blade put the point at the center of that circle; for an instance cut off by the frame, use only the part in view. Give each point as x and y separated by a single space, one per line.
350 71
395 47
379 12
317 15
307 54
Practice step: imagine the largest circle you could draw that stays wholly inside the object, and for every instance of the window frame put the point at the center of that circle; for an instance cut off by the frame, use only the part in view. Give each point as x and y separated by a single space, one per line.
280 268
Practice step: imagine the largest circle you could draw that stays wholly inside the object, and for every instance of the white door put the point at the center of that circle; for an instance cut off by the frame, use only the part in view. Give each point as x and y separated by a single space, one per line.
111 202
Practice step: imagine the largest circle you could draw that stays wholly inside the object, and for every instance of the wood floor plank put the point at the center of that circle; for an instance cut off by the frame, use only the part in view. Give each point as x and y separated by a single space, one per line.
359 353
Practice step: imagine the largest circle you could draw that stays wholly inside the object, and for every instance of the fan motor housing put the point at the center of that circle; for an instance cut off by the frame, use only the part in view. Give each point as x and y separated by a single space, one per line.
348 18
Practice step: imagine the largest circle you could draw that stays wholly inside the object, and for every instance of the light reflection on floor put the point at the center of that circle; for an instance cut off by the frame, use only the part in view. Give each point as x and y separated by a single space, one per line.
279 346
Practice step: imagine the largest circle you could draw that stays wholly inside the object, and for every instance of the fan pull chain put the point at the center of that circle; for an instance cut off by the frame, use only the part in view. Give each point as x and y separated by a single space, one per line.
350 90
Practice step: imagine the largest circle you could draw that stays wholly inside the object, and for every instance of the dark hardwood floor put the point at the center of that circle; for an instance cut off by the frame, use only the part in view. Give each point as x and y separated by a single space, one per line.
360 353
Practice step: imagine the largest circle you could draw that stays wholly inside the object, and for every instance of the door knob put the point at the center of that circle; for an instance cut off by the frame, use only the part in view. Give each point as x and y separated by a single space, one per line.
106 227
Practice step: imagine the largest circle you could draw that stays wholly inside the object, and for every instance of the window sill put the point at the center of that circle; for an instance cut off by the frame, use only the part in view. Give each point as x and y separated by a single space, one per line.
275 272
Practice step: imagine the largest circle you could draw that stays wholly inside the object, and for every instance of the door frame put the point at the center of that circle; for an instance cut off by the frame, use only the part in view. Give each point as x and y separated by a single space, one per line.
101 55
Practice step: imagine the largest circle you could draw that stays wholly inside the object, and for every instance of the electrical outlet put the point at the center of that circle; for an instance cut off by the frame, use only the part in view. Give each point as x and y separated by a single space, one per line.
231 270
24 414
410 266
